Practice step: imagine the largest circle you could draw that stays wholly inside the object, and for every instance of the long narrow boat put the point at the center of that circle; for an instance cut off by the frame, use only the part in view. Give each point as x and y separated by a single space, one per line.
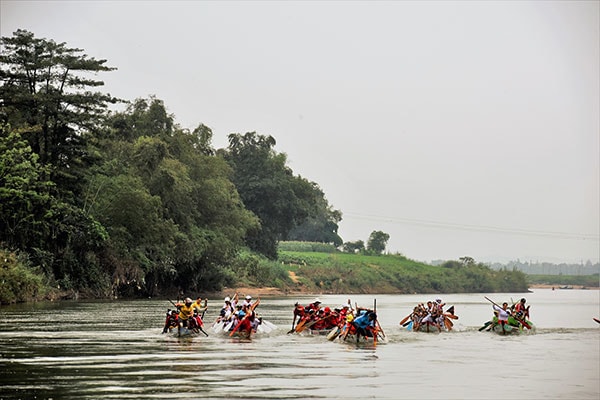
513 327
226 327
184 332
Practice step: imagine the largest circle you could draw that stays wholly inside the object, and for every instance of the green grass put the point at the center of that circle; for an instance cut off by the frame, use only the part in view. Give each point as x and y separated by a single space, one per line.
326 272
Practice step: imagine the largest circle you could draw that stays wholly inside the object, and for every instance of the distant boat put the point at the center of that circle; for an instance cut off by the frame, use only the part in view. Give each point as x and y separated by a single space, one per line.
566 287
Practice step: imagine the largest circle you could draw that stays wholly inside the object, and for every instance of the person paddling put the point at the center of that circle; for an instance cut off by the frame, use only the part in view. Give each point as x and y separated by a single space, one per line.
520 306
503 314
186 311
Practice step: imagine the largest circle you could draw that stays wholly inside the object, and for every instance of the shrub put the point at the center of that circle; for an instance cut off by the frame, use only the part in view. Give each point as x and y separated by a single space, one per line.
18 281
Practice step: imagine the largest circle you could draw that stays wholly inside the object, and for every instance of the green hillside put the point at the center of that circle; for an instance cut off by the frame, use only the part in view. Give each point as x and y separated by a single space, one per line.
307 271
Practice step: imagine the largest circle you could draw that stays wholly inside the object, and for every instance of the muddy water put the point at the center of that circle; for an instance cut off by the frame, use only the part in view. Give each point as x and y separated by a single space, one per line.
115 350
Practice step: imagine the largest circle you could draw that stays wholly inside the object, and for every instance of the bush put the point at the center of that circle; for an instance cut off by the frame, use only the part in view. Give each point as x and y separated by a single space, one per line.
18 281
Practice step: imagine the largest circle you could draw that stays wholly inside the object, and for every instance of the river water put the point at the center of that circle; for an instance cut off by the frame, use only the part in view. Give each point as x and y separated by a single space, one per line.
115 350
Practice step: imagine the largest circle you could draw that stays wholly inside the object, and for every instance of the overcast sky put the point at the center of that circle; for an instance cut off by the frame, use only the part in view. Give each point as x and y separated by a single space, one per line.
458 128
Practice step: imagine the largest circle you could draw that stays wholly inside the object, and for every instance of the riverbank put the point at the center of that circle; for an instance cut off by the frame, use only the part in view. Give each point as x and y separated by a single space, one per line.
273 291
563 287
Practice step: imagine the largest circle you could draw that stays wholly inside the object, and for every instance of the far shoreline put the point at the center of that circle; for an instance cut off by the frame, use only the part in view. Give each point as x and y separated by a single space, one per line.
273 291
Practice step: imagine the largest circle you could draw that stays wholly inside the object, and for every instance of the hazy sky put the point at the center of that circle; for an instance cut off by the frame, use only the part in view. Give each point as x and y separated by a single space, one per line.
458 128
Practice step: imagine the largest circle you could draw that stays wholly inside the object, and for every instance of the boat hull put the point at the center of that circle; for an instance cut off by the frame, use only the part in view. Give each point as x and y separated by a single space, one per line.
508 329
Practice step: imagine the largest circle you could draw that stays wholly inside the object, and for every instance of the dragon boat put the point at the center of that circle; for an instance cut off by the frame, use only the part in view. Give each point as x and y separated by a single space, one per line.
514 326
430 319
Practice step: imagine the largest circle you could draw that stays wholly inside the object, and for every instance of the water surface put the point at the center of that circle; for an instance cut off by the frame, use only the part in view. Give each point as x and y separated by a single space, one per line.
114 350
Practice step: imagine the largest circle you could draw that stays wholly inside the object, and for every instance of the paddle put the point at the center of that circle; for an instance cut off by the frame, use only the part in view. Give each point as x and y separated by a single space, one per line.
405 319
485 325
311 323
205 308
449 324
334 333
296 314
238 325
300 326
228 326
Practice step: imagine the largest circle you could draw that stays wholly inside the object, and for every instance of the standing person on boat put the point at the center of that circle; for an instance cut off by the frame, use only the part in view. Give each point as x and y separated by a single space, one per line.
186 311
503 314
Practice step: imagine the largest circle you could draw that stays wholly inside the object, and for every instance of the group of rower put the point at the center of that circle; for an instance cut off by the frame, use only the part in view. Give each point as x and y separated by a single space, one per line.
186 315
341 321
236 316
516 316
430 314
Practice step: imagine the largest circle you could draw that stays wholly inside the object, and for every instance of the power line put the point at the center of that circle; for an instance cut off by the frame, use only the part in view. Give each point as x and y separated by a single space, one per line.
475 228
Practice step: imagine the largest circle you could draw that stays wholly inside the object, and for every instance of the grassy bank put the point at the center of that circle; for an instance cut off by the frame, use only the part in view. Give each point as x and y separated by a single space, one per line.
321 272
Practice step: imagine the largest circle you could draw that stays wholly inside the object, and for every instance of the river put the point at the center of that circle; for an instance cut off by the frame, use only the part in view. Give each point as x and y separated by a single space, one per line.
115 350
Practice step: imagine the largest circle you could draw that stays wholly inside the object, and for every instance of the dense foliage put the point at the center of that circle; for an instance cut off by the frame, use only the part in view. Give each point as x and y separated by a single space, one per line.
129 203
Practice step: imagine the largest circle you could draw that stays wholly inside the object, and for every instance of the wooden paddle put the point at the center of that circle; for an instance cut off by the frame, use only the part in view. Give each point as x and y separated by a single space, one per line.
448 324
405 319
485 325
300 327
238 325
334 333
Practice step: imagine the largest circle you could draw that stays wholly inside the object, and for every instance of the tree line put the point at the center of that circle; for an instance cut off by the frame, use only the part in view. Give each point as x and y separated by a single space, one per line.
123 203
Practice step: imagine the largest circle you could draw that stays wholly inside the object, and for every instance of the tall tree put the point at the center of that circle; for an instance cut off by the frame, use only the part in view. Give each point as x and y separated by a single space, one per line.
46 93
25 193
377 242
269 189
173 214
321 225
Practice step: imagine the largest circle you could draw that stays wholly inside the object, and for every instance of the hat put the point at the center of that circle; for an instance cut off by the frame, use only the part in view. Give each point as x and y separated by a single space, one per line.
227 299
345 306
188 300
438 300
248 297
317 300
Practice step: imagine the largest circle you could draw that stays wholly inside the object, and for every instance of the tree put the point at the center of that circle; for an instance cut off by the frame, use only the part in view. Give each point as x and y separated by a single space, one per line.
269 189
377 242
25 193
321 225
45 92
174 217
354 247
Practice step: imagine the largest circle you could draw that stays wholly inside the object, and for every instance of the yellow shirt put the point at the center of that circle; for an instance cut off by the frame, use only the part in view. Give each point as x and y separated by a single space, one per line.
198 305
185 312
